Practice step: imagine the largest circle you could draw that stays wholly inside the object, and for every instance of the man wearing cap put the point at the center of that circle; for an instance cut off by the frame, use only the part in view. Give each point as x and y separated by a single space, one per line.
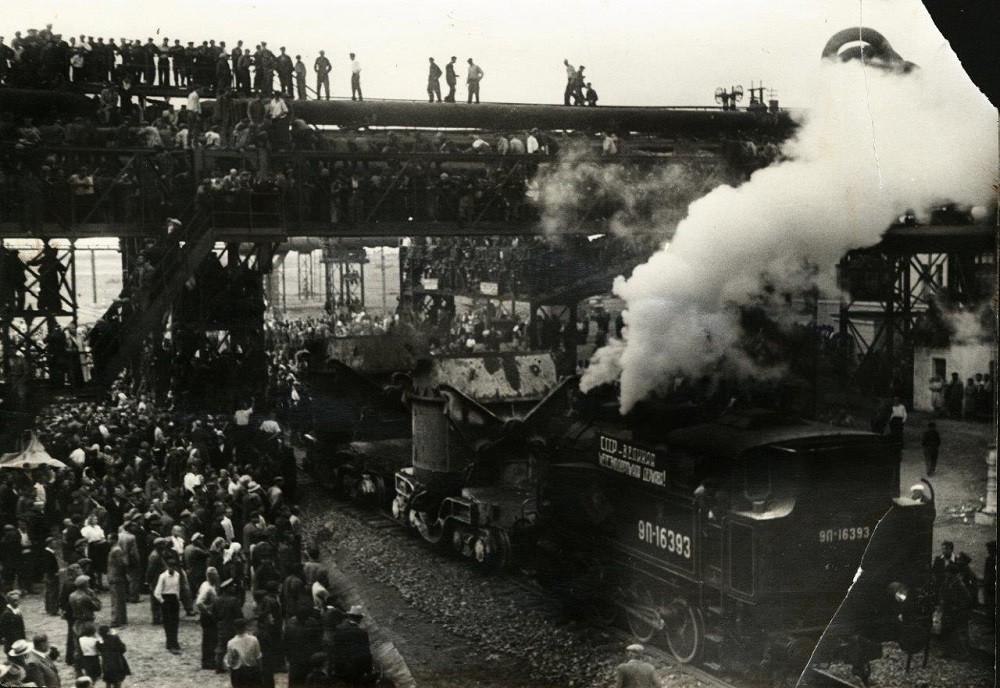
285 70
635 673
11 621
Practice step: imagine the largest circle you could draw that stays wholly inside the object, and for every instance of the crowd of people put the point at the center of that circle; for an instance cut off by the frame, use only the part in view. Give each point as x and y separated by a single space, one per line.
194 513
518 266
971 401
955 593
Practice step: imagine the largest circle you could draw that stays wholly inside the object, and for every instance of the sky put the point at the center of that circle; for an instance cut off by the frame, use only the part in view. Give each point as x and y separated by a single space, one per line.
667 52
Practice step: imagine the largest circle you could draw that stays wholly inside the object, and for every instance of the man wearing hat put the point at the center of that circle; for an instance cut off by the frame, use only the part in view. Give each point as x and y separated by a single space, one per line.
635 672
38 669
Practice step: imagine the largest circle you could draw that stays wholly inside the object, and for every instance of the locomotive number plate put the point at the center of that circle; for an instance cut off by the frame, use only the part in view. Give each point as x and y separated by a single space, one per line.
669 540
844 534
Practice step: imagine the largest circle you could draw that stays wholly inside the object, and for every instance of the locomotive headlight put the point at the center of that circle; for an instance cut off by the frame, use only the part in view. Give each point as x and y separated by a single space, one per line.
899 592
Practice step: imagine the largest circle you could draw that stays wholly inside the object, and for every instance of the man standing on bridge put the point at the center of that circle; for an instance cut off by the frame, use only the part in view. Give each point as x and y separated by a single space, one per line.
355 79
450 78
636 673
300 78
434 82
473 78
322 68
570 82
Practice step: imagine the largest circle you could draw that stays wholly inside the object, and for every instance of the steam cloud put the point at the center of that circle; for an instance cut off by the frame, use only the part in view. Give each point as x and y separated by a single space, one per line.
873 146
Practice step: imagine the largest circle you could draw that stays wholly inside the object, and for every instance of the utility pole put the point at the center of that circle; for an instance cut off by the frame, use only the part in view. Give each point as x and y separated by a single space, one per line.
93 275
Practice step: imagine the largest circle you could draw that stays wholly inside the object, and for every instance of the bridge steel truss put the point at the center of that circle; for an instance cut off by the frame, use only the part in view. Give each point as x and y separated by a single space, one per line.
891 286
43 304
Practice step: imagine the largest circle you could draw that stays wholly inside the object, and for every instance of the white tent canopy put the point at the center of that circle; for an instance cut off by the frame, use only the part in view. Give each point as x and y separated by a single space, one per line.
33 456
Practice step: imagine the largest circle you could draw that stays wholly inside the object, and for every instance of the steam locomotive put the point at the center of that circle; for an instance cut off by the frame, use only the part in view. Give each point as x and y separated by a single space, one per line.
734 540
730 538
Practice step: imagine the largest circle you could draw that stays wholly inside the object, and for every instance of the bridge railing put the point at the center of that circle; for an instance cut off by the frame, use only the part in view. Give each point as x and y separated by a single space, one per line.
76 188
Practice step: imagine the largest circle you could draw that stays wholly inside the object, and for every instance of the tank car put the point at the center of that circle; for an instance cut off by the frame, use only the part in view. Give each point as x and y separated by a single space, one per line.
732 541
360 432
477 452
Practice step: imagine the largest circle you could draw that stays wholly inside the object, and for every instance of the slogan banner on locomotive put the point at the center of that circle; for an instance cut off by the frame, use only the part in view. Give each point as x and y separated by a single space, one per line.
650 521
629 460
489 288
429 283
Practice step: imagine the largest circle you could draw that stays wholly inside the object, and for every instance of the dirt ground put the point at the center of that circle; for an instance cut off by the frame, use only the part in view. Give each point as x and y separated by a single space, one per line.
152 666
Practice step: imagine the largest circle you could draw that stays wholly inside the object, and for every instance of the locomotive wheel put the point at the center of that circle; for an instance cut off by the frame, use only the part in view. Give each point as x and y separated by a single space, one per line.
642 628
491 548
685 631
382 497
349 484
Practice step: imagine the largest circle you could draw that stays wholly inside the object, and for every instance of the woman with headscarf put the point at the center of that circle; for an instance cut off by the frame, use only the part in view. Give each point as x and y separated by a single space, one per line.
208 595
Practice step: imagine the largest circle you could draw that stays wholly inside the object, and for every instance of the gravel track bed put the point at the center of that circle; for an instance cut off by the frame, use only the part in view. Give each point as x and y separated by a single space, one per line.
511 627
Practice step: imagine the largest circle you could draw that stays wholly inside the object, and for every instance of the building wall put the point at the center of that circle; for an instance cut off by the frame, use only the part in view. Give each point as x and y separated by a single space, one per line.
964 359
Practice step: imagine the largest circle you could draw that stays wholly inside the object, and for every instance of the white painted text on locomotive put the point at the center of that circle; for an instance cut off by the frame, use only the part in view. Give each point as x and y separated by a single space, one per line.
844 534
664 538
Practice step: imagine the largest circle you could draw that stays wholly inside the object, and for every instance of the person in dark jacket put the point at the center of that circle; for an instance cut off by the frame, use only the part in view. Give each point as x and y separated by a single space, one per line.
352 652
302 640
49 568
227 611
11 621
433 81
114 666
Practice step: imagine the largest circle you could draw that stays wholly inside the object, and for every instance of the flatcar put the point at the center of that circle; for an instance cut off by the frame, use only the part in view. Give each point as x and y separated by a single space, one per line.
733 541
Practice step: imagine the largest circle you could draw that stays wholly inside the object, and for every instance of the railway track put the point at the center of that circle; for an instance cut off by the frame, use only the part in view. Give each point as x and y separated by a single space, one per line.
527 588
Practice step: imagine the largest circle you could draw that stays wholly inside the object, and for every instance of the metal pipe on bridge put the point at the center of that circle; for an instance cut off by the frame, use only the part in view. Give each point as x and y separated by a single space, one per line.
668 121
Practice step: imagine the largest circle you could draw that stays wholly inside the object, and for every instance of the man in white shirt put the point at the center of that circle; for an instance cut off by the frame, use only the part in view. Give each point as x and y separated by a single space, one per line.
168 593
277 108
532 142
355 79
78 456
192 480
194 102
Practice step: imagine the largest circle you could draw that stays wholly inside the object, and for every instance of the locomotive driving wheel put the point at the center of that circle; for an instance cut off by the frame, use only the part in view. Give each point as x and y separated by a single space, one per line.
684 631
643 620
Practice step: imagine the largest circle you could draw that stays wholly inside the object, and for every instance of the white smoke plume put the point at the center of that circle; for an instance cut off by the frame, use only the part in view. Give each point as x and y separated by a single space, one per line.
873 145
633 200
